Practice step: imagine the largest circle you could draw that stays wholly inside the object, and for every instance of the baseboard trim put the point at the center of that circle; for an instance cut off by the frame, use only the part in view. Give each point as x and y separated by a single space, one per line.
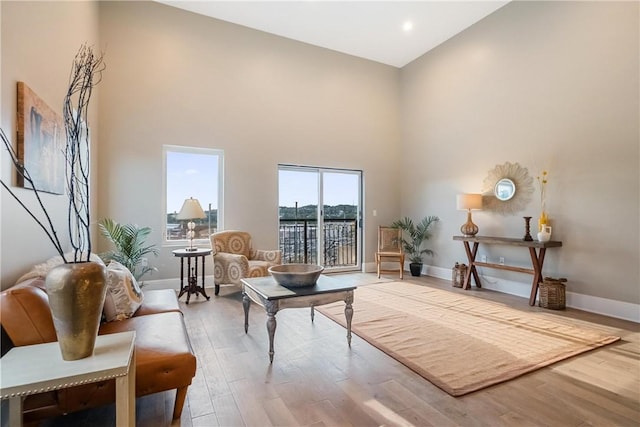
606 307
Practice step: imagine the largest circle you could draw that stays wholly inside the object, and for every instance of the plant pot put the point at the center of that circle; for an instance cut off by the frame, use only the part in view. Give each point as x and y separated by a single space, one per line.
415 268
76 295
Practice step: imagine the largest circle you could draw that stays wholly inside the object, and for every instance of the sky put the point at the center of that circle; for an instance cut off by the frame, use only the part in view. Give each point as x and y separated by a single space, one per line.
191 175
302 187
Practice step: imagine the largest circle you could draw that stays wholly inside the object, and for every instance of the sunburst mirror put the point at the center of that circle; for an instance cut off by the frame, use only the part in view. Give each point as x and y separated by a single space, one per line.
507 189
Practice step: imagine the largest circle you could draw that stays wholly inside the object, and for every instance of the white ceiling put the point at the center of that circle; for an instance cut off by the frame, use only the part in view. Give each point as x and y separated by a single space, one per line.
367 29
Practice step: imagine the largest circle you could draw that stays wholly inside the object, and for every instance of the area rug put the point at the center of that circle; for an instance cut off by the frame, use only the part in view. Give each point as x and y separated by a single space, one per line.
458 342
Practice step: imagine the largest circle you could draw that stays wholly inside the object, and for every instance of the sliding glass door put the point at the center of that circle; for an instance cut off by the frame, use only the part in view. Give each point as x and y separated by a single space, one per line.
320 216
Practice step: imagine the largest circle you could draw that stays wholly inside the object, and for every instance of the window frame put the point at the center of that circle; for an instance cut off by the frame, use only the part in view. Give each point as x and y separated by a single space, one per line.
192 150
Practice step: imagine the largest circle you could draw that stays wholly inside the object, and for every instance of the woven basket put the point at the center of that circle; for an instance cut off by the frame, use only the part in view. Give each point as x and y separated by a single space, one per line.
552 293
457 275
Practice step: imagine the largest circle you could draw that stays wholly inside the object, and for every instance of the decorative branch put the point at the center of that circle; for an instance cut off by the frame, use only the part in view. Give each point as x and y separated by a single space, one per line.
48 228
86 72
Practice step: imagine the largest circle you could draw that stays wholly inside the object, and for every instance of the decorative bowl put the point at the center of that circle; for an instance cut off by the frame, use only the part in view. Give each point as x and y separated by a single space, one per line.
296 275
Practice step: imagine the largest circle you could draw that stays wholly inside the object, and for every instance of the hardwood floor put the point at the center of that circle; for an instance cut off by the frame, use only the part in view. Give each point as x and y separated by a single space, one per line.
317 380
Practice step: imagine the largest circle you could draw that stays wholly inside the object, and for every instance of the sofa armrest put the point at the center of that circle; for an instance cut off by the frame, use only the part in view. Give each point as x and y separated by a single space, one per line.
25 314
229 268
273 257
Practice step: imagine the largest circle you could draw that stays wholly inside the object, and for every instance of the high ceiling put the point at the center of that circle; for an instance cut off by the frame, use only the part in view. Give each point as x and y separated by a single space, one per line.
374 30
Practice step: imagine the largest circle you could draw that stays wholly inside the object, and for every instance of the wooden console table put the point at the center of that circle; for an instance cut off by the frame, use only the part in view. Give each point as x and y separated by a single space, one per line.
537 259
192 273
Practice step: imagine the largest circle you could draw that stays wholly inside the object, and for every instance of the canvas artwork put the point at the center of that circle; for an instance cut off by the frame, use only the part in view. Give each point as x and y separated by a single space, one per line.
41 142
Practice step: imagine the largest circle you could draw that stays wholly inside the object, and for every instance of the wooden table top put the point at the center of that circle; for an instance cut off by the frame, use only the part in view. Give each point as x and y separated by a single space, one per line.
269 289
187 253
509 241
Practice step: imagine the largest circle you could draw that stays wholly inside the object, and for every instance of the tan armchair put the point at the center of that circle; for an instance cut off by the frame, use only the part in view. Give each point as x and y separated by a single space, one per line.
234 258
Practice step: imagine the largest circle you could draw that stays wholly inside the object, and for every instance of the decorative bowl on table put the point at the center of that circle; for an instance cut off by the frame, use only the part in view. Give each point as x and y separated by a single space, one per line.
296 275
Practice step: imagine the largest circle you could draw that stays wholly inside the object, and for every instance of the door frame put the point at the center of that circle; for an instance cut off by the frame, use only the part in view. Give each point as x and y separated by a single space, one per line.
320 213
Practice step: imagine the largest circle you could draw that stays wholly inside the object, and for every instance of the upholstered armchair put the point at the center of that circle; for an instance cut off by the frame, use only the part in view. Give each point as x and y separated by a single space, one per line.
234 258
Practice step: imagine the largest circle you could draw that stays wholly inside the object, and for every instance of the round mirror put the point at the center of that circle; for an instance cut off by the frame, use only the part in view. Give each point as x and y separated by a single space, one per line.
505 189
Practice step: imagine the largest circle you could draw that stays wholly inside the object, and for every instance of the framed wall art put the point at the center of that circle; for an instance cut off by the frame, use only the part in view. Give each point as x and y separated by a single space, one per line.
41 142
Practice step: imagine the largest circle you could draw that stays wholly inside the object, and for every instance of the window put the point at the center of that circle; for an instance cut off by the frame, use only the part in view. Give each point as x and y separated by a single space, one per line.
197 173
320 216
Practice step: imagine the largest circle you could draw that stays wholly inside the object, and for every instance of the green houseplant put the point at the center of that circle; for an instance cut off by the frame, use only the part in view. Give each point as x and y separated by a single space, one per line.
130 248
416 234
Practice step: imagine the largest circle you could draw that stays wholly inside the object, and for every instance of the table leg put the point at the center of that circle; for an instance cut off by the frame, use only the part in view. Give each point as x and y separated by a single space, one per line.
272 309
537 260
189 279
15 411
126 396
348 314
194 283
313 312
471 257
182 288
202 291
246 303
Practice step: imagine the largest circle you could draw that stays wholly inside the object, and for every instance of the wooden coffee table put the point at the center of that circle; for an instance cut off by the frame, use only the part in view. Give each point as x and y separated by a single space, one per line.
265 292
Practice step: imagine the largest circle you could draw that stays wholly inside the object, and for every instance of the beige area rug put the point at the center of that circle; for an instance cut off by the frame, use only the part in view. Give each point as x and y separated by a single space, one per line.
458 342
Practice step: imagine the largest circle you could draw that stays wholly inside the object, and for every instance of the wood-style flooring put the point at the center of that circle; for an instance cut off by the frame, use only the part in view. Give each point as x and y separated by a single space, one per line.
317 380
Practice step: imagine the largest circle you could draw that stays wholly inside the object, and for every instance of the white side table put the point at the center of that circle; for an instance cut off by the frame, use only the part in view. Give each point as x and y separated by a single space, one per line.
39 368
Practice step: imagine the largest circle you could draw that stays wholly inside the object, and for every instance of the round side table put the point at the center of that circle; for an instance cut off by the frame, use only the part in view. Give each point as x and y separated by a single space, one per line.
192 271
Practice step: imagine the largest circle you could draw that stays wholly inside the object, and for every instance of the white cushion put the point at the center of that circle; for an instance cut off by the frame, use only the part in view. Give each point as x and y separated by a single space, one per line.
41 270
124 296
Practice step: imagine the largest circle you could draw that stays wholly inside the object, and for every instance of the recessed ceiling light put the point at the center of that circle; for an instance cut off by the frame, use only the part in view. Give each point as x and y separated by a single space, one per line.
408 26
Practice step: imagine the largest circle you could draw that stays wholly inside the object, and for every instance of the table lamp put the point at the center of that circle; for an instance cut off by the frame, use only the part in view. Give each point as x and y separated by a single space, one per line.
191 210
469 202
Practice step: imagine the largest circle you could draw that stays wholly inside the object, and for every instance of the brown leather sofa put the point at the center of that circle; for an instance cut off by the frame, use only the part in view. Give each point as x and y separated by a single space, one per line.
164 357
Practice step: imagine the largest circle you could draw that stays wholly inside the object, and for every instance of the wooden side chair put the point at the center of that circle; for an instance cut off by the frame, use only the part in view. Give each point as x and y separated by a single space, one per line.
389 249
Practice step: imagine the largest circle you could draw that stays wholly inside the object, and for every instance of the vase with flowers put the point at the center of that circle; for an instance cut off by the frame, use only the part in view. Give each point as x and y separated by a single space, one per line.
543 220
77 287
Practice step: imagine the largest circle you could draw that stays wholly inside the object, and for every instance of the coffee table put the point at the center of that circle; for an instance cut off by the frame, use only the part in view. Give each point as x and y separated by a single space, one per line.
266 292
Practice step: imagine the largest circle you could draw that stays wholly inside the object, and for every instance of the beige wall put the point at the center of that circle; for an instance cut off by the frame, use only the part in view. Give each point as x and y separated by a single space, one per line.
551 85
178 78
39 42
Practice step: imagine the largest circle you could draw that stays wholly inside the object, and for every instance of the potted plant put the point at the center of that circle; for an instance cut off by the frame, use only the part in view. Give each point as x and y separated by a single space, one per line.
76 288
129 242
417 234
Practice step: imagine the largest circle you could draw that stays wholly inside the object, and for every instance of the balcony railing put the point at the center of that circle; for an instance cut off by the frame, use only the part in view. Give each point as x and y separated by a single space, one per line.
299 242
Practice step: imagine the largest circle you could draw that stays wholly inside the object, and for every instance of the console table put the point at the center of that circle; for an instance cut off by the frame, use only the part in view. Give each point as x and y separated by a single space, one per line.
537 251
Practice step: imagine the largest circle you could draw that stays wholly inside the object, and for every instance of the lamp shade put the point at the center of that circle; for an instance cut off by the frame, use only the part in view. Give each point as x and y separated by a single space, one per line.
469 201
191 209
